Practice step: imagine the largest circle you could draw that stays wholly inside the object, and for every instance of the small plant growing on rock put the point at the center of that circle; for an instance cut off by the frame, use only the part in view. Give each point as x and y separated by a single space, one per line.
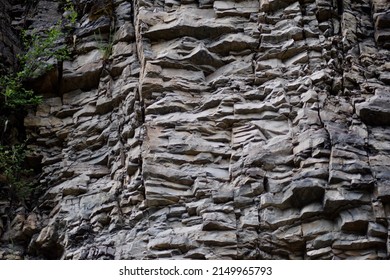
42 53
15 95
42 50
12 172
70 12
105 47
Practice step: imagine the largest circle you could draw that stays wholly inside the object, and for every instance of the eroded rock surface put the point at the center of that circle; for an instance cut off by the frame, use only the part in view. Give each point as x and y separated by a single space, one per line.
216 130
9 42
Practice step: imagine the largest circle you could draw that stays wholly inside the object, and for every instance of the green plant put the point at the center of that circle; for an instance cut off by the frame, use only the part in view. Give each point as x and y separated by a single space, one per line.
15 95
42 54
13 173
42 50
70 12
105 46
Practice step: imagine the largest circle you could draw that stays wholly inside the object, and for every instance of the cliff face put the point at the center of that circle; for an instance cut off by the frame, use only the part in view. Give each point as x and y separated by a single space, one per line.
211 130
9 42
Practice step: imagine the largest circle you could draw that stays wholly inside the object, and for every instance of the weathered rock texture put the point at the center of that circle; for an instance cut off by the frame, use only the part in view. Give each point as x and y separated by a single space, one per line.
215 130
9 42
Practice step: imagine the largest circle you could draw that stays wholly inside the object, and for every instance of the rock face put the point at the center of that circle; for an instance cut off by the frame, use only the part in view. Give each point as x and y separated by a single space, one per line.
9 42
215 130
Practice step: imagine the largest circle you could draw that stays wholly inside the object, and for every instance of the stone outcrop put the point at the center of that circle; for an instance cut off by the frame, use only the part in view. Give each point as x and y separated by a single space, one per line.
214 130
9 41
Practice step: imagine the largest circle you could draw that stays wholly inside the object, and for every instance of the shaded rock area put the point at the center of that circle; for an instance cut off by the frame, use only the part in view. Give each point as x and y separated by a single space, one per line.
214 130
9 41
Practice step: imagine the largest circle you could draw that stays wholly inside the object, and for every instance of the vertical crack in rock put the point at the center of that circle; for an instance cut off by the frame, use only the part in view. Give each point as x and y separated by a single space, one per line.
340 7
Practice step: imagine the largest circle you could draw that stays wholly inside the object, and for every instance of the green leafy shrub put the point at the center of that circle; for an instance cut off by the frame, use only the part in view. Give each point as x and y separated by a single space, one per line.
70 12
13 173
42 50
15 95
42 54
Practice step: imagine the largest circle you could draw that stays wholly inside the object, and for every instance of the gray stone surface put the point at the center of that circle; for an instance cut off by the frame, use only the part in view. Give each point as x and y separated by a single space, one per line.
216 130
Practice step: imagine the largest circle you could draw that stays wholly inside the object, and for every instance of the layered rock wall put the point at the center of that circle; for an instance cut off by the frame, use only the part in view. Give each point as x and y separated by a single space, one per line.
215 130
9 42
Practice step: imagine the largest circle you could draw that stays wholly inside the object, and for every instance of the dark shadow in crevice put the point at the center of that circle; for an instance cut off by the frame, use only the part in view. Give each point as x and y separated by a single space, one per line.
340 7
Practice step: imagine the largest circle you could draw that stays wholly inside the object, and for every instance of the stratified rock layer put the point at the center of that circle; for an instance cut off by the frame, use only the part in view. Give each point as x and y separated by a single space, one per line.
216 130
9 42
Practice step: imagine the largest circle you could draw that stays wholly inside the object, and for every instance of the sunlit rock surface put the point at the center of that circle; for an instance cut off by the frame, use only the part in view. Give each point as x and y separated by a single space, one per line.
214 130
